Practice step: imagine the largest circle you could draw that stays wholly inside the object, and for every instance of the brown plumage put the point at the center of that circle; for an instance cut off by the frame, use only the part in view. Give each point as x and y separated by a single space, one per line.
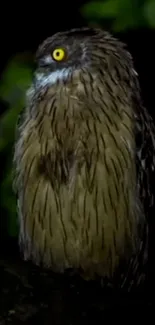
78 160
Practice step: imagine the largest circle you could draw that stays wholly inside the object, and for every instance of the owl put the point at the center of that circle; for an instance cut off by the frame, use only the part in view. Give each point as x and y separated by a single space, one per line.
84 160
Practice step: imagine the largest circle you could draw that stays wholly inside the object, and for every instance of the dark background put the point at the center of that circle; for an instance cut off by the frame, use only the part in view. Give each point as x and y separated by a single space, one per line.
23 26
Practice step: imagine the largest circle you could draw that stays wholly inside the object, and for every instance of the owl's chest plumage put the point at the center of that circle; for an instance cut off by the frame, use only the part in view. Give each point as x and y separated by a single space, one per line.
76 203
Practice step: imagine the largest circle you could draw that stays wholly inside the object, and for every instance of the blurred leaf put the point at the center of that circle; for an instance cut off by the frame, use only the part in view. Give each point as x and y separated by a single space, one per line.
15 79
13 84
149 12
129 16
122 14
100 9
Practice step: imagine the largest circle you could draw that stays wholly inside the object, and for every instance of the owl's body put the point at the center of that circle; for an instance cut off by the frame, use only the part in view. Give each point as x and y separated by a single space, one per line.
79 188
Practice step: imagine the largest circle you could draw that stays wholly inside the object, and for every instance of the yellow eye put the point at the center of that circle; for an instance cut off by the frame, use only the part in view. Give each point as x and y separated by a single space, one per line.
59 54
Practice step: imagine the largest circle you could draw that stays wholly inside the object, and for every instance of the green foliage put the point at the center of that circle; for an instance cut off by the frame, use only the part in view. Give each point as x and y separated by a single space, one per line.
14 82
121 14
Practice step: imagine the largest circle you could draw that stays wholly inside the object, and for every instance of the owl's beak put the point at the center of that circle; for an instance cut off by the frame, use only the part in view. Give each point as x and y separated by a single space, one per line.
43 63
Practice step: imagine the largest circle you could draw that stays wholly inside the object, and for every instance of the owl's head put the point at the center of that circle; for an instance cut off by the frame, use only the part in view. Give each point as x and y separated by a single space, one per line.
84 50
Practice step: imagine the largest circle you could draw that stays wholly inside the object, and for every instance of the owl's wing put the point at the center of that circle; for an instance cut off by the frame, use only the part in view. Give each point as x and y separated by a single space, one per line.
145 160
